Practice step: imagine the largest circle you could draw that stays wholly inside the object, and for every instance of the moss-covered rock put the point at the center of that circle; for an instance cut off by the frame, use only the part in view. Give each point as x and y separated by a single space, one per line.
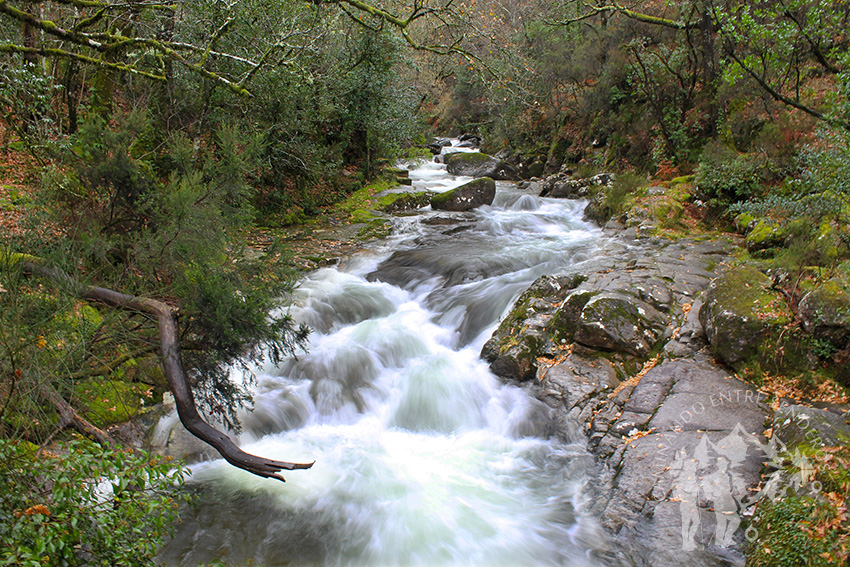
565 322
376 228
825 312
476 164
831 243
766 235
745 222
742 313
621 323
107 402
513 349
534 169
476 193
397 202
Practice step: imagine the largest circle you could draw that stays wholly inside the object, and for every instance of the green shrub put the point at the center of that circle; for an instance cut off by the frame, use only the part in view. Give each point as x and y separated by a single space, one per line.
724 176
92 506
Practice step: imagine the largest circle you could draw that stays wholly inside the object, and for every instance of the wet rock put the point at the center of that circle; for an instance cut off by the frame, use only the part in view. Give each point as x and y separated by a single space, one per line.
612 321
518 360
560 187
796 425
513 349
576 379
476 164
469 196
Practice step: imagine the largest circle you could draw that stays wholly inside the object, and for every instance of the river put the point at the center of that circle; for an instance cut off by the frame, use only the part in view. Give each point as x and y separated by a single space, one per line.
423 457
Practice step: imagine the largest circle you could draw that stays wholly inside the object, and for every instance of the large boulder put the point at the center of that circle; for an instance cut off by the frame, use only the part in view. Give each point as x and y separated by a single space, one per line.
514 348
825 313
466 197
476 164
612 321
742 315
560 187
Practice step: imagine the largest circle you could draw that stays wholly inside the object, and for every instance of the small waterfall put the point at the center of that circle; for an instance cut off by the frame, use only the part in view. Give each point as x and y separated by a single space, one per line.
423 457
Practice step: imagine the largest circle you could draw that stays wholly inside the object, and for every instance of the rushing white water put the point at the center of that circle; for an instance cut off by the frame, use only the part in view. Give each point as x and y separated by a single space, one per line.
422 456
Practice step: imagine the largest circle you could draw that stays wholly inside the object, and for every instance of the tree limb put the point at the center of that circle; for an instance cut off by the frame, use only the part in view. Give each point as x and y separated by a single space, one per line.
631 14
69 416
172 365
785 99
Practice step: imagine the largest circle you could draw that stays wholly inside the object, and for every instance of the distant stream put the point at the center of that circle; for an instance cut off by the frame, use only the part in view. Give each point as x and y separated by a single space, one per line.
423 457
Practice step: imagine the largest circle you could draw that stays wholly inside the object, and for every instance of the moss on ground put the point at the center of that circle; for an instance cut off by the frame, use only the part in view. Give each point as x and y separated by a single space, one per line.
809 527
108 402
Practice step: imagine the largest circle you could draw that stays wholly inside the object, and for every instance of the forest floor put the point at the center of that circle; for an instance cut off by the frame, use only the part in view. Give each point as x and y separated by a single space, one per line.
18 187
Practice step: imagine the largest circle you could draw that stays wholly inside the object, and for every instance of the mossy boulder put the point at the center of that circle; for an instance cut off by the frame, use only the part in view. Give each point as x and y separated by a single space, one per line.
745 222
621 323
766 235
107 402
831 242
534 169
825 312
476 164
565 322
398 202
469 196
741 314
513 349
615 321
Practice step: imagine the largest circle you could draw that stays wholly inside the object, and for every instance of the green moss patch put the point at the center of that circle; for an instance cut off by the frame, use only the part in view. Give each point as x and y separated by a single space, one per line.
107 402
810 527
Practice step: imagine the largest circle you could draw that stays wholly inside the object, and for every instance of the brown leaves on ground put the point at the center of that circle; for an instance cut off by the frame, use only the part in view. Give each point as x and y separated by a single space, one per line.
633 381
802 390
17 183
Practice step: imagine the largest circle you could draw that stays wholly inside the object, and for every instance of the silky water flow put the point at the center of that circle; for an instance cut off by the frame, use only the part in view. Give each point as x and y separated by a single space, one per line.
423 457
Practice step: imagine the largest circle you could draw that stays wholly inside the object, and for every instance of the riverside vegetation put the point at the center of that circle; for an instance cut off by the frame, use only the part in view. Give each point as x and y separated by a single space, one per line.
203 153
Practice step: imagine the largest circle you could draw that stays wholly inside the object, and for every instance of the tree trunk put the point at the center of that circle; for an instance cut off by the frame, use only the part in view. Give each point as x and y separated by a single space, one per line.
172 365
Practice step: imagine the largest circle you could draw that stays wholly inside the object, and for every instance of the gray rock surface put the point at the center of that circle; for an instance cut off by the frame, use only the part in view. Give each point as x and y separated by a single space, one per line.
621 356
475 164
466 197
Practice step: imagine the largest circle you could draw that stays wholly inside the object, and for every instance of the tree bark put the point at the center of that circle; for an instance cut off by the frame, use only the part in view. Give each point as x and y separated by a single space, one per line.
172 365
68 416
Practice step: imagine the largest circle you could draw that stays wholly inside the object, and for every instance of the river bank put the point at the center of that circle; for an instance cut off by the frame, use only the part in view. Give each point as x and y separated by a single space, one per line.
611 342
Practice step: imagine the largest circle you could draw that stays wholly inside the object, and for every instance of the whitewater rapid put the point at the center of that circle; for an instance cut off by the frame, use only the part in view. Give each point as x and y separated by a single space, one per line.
423 457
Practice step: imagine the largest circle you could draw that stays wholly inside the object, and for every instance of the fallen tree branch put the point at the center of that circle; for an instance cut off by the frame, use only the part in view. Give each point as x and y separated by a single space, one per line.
68 416
172 365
